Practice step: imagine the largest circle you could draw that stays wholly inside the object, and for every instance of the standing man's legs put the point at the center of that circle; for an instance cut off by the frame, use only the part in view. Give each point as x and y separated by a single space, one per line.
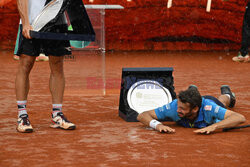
245 32
243 55
57 85
22 89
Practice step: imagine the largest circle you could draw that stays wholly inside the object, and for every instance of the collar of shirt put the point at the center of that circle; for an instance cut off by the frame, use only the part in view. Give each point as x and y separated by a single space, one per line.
201 114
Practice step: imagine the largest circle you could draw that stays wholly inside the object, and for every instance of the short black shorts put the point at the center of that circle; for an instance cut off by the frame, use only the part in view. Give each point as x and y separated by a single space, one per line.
33 47
215 100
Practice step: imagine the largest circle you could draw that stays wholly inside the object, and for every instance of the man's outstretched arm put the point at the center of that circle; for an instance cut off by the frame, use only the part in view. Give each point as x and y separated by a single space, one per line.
148 118
231 119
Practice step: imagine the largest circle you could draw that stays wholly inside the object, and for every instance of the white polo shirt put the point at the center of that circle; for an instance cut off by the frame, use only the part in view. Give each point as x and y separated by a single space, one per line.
35 8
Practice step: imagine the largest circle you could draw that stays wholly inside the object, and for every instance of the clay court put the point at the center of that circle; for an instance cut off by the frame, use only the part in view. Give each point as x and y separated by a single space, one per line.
196 42
102 138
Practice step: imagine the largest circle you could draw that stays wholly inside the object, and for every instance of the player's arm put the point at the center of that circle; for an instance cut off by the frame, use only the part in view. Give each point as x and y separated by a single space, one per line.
148 118
231 119
22 6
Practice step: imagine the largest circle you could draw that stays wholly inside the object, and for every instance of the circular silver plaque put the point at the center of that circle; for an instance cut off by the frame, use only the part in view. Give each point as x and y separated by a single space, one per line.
147 95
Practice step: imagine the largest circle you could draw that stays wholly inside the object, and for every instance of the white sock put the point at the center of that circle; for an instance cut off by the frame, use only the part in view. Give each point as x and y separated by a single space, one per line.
56 109
21 105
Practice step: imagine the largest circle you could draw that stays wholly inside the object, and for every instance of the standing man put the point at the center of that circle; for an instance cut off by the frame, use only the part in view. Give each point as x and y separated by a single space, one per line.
191 110
243 55
28 50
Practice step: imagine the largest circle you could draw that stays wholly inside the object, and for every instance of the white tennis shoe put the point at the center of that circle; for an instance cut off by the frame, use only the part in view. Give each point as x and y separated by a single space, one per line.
60 121
240 58
23 124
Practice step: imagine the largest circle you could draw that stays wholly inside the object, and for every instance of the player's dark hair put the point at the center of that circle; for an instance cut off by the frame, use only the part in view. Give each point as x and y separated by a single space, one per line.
191 96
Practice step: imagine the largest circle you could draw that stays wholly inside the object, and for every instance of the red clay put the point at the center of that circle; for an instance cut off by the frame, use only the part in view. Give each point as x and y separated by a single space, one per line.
102 138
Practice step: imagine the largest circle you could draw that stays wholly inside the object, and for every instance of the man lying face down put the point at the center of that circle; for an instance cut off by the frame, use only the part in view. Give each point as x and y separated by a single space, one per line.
192 110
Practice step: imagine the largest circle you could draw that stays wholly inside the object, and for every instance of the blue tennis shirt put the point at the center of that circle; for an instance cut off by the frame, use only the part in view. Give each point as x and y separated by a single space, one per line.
209 113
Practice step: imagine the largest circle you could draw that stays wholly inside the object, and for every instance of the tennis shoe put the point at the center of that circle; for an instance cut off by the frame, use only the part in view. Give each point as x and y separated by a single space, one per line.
225 89
42 57
15 57
23 124
247 59
60 121
241 58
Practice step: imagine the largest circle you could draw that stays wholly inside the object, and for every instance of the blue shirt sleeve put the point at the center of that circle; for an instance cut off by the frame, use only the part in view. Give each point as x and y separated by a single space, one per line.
213 112
168 111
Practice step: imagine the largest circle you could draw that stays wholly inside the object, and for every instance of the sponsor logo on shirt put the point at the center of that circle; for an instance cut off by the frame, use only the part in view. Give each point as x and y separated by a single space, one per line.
161 109
167 106
217 109
208 107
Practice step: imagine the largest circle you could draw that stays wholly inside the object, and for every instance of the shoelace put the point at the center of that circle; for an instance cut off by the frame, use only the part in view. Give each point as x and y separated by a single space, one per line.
25 120
63 117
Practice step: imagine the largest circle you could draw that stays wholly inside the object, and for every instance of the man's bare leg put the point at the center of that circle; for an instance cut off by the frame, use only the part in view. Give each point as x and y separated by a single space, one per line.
26 63
225 99
57 80
227 96
57 84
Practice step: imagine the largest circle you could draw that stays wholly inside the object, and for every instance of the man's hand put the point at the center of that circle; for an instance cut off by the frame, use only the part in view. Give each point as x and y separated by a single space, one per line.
206 130
163 128
26 30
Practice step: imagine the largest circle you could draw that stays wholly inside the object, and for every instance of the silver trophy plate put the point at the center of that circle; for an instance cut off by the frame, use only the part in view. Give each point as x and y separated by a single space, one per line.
147 95
48 13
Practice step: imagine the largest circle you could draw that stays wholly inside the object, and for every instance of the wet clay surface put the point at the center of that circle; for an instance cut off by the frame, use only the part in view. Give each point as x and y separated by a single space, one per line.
102 138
